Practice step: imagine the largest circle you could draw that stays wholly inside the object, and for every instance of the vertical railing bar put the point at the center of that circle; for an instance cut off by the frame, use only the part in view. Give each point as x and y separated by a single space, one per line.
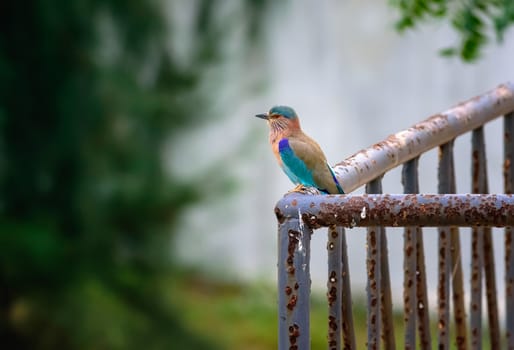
443 285
334 288
477 260
425 337
373 263
477 243
346 296
488 255
386 304
386 295
508 175
491 291
410 303
457 276
294 284
411 185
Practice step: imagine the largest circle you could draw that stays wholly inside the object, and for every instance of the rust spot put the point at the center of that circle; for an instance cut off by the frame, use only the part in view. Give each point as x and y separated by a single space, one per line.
372 239
280 217
292 302
294 333
460 341
291 247
296 286
310 220
408 250
332 323
294 202
292 340
474 331
332 277
507 175
332 296
288 290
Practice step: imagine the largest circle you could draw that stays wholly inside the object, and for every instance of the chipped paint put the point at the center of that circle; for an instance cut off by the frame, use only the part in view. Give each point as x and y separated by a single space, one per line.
492 210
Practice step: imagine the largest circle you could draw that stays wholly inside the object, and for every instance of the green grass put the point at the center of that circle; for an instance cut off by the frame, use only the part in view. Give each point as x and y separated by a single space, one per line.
236 316
231 316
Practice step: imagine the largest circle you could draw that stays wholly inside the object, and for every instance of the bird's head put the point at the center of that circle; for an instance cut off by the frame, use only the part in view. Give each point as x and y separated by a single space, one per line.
281 118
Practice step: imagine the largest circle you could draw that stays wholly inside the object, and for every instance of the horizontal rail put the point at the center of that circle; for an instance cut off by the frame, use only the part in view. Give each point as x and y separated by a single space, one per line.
398 210
405 145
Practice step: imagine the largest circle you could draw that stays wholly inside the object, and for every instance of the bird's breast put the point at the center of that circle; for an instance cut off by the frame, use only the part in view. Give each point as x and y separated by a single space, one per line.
275 145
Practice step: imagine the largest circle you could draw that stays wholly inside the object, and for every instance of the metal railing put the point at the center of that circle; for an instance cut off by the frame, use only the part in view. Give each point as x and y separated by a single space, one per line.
299 214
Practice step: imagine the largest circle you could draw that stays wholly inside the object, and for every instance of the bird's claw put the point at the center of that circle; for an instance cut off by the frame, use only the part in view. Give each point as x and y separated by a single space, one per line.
305 190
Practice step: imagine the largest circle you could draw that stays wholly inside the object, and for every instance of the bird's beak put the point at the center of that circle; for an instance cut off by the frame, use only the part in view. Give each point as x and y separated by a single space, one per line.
262 116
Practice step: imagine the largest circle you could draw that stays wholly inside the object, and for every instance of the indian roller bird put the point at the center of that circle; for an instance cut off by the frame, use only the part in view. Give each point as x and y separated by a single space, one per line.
299 156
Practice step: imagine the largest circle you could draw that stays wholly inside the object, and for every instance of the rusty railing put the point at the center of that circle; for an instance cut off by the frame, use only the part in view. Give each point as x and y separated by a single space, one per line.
299 214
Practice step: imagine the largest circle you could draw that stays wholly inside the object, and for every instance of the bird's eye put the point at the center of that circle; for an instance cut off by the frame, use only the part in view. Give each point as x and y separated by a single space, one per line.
274 116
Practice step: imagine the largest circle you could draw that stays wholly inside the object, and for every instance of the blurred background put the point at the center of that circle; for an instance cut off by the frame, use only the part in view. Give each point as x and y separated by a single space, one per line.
137 189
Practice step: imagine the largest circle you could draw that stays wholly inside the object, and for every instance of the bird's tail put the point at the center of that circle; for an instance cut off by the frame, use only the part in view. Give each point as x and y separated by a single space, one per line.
339 188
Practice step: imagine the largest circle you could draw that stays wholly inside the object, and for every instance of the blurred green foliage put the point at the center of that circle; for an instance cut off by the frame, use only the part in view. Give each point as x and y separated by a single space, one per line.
90 93
474 21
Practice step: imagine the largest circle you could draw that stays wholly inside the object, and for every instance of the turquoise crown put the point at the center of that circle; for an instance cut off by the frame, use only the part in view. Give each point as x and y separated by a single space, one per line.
285 111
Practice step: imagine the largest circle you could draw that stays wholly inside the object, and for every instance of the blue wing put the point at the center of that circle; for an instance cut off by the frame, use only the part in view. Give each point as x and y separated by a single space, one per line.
293 166
299 173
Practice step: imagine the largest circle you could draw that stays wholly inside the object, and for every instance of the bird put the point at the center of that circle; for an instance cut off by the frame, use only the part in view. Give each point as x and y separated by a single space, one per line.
299 156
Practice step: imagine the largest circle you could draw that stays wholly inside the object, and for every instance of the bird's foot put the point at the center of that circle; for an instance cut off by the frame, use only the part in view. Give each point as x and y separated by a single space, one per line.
305 190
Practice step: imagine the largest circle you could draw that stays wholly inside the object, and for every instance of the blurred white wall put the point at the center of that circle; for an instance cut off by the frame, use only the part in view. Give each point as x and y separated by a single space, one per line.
353 81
